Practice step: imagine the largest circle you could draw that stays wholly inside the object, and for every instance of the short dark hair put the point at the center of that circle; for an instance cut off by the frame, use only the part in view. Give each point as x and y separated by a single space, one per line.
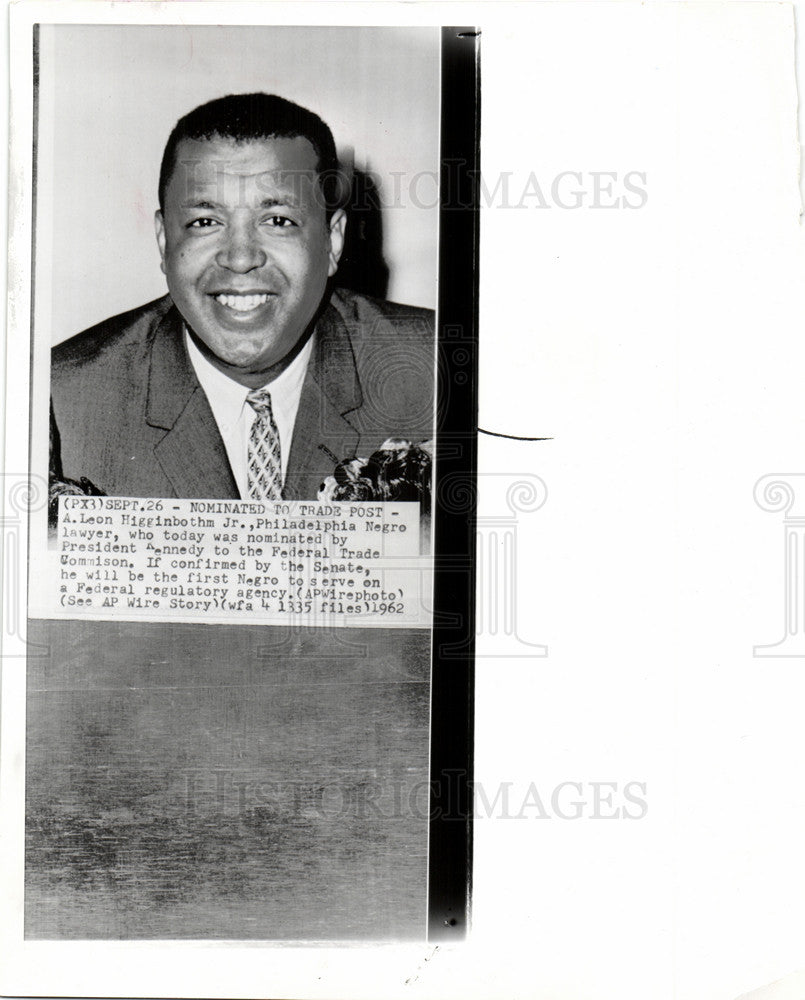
249 117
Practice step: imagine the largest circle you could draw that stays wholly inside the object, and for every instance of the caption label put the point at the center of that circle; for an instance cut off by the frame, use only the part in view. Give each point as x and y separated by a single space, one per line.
312 563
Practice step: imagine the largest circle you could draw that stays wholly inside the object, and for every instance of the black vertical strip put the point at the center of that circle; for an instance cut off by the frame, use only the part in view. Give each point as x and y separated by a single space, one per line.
450 848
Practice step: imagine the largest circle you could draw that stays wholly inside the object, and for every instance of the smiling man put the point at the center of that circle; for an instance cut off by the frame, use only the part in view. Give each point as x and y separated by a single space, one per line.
252 378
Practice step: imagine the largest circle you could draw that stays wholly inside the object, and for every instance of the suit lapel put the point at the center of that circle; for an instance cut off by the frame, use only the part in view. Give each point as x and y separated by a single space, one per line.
191 453
323 435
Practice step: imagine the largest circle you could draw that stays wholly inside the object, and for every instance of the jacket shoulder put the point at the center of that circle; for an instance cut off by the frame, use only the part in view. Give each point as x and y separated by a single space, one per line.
104 342
375 320
394 352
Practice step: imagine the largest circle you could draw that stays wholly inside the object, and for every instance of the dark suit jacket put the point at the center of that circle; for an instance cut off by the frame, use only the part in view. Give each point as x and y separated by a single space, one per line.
133 419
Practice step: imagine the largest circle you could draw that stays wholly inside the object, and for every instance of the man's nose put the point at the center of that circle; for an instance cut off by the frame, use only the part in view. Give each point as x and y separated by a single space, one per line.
242 251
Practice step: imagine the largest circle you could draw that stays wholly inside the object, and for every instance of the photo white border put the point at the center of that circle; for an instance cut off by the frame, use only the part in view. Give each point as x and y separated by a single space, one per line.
149 968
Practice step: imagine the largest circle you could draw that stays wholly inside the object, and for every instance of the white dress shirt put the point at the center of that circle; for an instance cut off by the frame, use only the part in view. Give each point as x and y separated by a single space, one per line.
234 415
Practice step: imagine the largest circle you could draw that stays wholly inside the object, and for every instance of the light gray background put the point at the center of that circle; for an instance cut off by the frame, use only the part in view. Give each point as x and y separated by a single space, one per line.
110 95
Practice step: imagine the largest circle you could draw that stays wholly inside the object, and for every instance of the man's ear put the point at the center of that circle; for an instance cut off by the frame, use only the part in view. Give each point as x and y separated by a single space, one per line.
159 224
338 225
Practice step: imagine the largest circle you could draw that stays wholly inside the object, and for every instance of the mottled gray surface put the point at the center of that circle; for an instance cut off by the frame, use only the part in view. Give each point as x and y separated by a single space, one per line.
226 782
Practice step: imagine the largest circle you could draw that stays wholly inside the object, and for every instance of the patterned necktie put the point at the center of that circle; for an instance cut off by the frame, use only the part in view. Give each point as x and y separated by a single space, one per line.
264 456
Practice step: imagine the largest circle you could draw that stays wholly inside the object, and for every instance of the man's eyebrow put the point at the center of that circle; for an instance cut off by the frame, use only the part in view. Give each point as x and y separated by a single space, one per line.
271 202
209 206
288 200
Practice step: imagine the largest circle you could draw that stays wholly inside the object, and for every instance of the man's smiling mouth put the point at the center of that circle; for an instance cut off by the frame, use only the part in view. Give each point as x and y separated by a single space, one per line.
242 303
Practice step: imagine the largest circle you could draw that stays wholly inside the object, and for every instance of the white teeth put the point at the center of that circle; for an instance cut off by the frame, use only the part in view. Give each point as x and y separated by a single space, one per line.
242 303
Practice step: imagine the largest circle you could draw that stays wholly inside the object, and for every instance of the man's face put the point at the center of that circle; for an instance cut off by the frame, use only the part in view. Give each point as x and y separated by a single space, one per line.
246 247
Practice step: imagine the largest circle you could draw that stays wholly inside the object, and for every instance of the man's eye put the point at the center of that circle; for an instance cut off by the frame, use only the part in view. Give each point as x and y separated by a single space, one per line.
280 221
202 223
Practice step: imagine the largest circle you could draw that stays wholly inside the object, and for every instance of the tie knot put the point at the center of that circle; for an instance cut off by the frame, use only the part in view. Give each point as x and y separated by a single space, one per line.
260 400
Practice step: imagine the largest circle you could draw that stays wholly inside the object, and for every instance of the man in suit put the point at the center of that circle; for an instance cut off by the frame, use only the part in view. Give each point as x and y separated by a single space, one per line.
252 378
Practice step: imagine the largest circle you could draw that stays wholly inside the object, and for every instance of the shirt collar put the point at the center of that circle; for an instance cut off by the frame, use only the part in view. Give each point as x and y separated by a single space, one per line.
228 397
